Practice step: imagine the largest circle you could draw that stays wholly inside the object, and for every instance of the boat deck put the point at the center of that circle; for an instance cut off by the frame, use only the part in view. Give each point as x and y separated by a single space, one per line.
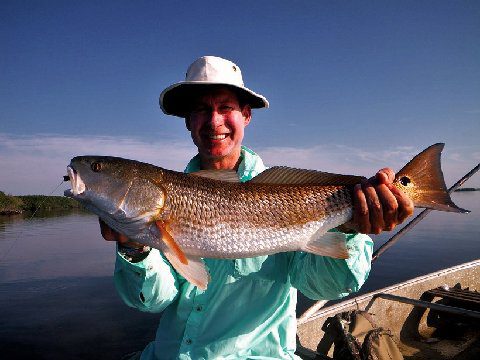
420 331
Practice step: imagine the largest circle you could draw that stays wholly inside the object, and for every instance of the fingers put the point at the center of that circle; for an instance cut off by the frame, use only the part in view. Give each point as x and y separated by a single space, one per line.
111 235
375 208
397 205
385 176
368 211
107 233
360 210
389 206
405 204
379 205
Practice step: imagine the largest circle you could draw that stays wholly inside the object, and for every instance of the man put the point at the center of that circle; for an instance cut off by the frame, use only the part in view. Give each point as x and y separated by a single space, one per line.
248 309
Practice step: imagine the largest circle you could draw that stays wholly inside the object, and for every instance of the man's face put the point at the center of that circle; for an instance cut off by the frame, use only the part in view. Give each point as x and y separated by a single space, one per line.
217 123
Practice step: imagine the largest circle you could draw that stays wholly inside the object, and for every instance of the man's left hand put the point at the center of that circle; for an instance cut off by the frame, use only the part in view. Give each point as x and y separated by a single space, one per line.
378 205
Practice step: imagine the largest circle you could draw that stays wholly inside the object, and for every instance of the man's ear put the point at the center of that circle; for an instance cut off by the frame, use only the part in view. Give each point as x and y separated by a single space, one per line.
187 123
247 114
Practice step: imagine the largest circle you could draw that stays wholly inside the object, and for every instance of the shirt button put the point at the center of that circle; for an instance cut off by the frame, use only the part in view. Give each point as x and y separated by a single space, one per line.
199 308
188 341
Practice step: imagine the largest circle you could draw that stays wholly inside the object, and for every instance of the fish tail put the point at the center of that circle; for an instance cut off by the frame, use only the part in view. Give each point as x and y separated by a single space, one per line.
422 180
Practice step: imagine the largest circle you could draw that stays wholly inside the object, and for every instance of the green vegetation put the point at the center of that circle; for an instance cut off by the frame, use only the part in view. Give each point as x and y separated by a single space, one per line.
17 204
10 204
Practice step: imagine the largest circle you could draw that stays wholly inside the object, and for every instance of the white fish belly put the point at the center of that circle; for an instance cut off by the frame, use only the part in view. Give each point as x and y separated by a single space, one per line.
229 241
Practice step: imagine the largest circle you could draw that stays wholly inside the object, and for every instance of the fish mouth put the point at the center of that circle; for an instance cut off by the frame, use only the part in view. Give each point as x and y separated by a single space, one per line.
78 186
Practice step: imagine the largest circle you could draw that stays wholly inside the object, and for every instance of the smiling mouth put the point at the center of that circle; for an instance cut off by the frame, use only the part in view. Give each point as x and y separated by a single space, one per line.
217 136
78 186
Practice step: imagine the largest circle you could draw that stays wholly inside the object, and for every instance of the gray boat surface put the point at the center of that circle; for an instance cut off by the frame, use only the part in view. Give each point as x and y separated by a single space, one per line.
404 309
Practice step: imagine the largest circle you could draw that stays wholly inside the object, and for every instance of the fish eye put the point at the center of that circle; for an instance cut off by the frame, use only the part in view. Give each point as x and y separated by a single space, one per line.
405 180
96 166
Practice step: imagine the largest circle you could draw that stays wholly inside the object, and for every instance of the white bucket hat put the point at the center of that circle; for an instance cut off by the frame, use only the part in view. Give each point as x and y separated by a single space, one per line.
206 71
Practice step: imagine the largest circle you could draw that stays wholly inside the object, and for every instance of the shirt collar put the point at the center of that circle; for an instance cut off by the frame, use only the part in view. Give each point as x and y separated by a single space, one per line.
250 165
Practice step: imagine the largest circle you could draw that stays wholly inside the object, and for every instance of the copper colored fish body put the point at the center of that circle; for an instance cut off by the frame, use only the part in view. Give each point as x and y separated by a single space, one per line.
211 214
232 220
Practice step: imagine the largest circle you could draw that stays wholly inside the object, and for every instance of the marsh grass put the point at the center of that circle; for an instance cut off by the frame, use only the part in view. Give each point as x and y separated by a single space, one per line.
10 204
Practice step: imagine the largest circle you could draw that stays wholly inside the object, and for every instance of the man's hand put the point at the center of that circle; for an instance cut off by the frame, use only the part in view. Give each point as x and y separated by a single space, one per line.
111 235
378 205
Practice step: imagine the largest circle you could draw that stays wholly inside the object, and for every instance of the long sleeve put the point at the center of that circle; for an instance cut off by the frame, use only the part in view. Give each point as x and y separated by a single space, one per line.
322 277
149 285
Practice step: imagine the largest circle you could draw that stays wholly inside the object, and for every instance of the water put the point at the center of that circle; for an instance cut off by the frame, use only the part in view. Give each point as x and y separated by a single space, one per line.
57 294
58 300
439 241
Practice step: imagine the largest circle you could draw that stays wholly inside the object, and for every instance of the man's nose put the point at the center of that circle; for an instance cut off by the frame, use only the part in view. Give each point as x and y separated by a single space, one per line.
216 118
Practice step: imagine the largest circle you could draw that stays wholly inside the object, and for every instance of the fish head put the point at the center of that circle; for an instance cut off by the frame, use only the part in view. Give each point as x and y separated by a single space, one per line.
116 189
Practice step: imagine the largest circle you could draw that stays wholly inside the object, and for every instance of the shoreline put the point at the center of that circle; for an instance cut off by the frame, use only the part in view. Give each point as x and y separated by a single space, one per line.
15 205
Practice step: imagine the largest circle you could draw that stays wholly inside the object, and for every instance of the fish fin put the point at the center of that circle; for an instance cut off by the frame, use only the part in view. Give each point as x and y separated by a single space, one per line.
328 244
170 241
222 175
422 180
195 271
287 175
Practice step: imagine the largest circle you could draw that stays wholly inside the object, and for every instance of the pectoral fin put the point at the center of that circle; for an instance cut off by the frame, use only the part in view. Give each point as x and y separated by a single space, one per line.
195 272
190 267
328 244
170 241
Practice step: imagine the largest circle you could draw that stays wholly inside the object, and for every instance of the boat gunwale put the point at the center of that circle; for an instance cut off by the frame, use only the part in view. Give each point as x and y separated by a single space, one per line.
347 304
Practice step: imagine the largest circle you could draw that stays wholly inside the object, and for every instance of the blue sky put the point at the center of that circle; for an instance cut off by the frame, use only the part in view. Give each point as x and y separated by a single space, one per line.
353 86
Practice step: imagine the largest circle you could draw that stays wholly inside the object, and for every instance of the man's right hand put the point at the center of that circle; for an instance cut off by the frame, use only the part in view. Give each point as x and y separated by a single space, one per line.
111 235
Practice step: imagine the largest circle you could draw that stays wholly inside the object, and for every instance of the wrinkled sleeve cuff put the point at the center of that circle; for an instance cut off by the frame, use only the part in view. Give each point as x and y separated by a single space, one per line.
149 285
323 277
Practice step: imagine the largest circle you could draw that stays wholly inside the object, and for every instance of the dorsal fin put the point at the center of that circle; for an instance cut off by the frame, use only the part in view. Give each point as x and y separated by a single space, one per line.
287 175
222 175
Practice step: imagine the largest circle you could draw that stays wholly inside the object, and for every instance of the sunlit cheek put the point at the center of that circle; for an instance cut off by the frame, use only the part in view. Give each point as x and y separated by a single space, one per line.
238 133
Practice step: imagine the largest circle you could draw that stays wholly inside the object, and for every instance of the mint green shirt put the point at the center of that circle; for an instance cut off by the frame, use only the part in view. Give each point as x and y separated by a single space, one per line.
248 309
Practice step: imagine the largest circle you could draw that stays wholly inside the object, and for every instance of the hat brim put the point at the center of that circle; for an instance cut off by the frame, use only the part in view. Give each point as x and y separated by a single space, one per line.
174 99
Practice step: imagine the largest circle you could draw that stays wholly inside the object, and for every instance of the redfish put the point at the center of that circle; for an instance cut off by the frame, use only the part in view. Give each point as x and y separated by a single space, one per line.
210 214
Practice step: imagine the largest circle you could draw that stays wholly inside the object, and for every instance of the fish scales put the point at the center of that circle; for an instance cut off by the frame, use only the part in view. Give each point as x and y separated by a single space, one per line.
249 219
211 202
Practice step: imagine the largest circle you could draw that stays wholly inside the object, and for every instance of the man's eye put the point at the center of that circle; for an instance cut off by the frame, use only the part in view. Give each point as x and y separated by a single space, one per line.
226 108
